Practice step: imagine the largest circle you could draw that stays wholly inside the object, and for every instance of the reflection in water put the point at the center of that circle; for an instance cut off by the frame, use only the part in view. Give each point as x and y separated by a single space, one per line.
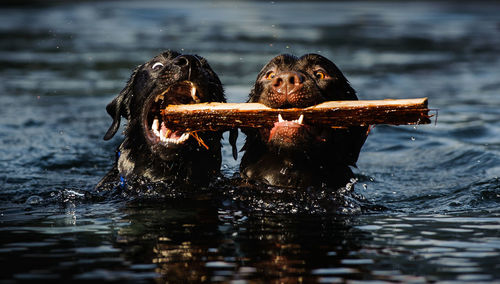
176 240
199 242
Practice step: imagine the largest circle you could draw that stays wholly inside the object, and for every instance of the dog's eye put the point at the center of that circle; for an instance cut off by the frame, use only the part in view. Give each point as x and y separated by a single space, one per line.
157 66
319 75
270 75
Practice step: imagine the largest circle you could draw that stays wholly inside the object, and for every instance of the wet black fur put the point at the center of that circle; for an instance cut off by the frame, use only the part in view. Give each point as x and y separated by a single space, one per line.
308 162
139 160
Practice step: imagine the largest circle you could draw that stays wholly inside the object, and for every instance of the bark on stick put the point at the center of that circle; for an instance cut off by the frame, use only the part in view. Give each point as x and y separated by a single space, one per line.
221 116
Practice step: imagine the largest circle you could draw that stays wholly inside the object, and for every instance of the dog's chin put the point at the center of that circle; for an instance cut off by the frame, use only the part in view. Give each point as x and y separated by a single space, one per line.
156 132
293 134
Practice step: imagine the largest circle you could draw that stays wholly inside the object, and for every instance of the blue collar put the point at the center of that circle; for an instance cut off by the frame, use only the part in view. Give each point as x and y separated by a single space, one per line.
123 182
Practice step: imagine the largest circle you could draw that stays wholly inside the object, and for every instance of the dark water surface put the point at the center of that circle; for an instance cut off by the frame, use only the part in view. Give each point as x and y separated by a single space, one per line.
61 64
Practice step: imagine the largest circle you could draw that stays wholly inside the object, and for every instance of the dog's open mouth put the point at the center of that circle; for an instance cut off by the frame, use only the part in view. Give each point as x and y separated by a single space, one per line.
287 131
293 133
180 93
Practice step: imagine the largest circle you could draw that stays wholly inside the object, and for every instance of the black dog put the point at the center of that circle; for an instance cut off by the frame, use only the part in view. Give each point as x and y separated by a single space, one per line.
151 152
292 153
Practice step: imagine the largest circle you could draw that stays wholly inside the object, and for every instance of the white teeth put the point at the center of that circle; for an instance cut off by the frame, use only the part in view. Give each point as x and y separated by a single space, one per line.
301 118
163 134
179 140
183 137
280 118
193 94
155 126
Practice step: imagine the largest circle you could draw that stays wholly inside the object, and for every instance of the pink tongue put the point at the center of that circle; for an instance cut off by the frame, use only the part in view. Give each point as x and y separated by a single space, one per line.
286 131
172 134
163 130
287 123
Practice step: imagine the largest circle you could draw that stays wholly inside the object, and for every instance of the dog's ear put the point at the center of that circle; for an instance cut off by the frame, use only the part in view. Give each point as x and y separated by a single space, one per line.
118 106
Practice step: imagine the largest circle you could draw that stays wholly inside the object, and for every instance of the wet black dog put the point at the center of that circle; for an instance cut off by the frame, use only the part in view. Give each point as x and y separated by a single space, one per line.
151 152
292 153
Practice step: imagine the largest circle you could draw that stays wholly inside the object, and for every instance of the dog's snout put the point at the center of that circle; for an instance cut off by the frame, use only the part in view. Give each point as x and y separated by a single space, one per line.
186 60
287 83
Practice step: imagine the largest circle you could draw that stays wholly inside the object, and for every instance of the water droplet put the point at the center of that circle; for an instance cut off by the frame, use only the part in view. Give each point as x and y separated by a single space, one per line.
34 199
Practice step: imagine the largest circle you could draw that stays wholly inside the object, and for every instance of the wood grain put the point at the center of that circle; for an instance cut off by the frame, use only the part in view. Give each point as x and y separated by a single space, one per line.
220 116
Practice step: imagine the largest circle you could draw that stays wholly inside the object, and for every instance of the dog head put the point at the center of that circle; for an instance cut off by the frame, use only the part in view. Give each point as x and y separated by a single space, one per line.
291 82
150 149
287 81
293 146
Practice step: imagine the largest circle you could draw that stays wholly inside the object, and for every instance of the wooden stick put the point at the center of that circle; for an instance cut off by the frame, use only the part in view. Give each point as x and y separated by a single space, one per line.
221 116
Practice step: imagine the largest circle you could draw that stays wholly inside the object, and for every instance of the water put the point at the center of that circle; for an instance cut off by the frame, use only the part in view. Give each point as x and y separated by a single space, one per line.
61 64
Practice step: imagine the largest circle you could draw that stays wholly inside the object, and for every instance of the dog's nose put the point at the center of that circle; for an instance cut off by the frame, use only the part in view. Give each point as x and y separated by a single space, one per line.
286 83
186 60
